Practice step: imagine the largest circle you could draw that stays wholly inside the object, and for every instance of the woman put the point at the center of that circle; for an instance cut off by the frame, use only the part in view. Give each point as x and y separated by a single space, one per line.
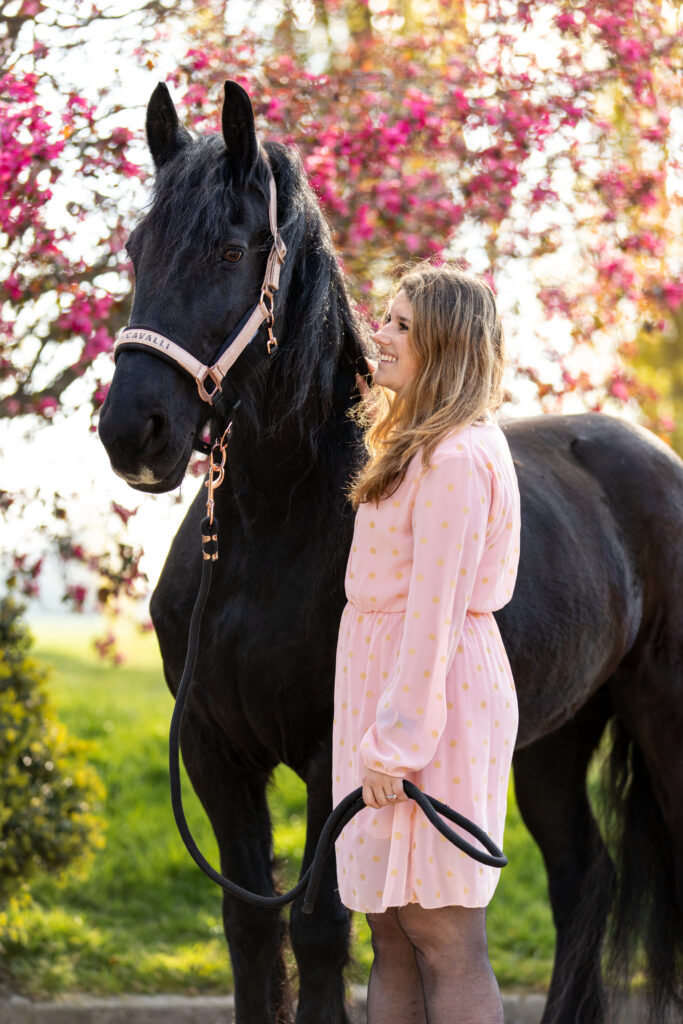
423 687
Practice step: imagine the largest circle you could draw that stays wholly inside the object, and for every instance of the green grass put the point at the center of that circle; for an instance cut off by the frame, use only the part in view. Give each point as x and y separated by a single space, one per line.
141 917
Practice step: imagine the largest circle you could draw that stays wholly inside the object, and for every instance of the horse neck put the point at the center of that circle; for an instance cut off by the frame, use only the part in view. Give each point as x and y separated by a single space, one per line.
276 481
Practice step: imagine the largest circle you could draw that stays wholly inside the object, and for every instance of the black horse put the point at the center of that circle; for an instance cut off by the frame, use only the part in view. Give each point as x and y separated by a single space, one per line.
594 631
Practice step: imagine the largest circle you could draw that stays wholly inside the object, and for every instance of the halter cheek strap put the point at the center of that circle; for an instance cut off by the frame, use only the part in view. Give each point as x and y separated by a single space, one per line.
209 379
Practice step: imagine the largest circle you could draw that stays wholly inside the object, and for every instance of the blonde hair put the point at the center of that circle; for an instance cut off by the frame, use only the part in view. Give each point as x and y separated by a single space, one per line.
457 337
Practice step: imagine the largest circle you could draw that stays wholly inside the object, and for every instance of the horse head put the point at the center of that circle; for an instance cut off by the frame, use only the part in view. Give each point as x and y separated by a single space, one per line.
199 257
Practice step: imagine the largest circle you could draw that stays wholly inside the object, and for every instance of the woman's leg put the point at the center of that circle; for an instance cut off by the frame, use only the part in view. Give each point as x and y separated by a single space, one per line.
395 989
452 957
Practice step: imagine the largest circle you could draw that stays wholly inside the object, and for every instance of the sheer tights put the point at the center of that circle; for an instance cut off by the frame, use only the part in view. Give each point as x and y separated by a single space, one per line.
432 967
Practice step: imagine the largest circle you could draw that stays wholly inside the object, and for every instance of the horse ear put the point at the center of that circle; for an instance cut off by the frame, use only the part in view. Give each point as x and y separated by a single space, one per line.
165 135
239 132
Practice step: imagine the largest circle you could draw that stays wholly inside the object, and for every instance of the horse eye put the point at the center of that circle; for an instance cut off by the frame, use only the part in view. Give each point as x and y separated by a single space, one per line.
232 256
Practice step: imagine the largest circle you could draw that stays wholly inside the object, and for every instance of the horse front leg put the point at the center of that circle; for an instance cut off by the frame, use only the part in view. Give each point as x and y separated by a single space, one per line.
320 940
235 803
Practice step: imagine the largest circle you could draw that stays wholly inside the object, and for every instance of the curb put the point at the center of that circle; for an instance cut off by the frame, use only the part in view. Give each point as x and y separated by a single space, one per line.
519 1009
77 1009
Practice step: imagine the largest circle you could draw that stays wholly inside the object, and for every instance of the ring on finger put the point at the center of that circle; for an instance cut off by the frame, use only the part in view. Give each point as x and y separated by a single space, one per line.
392 796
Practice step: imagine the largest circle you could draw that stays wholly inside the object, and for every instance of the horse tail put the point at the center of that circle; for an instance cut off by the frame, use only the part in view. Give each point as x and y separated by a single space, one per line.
645 925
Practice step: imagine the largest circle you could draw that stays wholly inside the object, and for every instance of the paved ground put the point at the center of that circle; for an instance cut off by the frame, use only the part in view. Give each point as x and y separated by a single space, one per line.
519 1009
195 1010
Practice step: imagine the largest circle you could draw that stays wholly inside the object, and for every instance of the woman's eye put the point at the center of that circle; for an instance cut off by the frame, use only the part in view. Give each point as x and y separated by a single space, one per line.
232 255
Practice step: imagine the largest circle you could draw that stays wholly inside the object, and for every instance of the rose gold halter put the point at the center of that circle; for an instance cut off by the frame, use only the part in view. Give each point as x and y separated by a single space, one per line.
139 337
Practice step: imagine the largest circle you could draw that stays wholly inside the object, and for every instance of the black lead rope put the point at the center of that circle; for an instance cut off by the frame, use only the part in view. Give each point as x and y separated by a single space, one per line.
342 813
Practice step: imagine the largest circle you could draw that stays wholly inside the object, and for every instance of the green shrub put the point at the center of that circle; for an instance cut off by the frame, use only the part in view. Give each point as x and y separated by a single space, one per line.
48 792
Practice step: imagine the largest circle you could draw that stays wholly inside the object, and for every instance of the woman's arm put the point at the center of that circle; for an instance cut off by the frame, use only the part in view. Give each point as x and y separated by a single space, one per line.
450 518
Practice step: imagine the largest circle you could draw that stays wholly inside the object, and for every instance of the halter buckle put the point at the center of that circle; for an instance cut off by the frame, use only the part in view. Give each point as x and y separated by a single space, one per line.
216 379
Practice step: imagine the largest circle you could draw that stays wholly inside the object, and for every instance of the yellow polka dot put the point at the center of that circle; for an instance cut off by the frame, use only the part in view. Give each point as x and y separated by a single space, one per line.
420 711
372 526
439 561
396 504
450 487
453 743
476 798
444 524
379 893
361 841
398 835
406 688
478 668
432 637
482 704
415 747
449 873
363 675
437 764
393 872
460 447
465 686
435 734
362 878
411 650
376 859
439 696
438 894
355 711
466 509
399 575
395 553
463 572
465 889
418 881
485 579
473 760
475 536
496 723
372 575
392 529
460 648
426 673
449 705
493 760
428 504
456 780
436 599
468 723
373 551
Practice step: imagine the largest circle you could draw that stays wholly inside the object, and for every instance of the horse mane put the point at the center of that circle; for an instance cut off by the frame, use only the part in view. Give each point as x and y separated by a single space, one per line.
194 201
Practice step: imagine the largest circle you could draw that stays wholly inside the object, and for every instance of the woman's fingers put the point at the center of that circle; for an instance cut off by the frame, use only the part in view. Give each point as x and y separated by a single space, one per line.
381 790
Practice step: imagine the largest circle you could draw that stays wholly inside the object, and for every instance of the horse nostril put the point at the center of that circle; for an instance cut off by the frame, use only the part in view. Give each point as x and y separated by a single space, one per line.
153 437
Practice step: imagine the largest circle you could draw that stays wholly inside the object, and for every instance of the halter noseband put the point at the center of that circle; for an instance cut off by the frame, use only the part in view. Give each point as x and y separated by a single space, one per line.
209 379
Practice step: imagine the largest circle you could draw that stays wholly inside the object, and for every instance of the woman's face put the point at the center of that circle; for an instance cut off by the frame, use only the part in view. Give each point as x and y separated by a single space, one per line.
397 360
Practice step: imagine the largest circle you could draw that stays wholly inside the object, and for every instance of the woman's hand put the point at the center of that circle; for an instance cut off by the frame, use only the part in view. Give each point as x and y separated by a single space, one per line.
377 787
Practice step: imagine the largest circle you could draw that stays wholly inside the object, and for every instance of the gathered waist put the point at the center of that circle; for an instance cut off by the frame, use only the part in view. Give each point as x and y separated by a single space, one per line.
401 611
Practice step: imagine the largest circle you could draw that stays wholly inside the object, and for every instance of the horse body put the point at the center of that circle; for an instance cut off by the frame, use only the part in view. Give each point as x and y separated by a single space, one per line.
593 629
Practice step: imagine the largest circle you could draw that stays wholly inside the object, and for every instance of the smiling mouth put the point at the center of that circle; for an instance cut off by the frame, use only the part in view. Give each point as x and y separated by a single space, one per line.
388 359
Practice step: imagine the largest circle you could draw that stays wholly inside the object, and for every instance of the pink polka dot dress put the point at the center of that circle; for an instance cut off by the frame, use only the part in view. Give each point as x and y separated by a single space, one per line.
423 685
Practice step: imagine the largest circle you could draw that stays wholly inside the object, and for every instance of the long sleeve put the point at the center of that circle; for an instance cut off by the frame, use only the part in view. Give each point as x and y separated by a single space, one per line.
449 521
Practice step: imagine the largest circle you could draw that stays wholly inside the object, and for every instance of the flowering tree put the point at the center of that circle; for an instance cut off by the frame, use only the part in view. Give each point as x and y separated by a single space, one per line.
534 139
62 299
516 133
